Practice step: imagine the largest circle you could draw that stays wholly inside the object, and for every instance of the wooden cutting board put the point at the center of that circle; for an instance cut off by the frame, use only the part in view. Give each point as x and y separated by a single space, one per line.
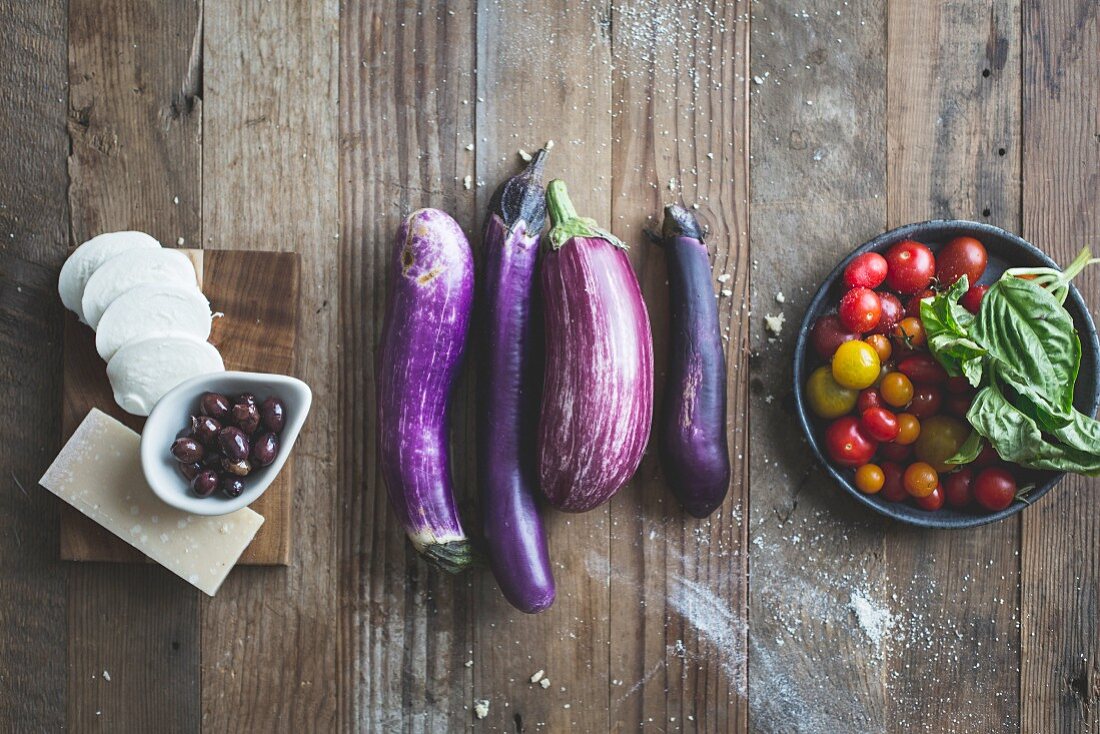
258 294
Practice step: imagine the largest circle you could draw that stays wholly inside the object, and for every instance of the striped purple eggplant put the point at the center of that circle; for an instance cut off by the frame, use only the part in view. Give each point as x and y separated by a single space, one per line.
692 430
508 389
597 399
423 342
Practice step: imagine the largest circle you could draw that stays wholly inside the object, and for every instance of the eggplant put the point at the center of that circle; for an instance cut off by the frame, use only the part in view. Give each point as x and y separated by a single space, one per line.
597 399
692 429
423 343
508 389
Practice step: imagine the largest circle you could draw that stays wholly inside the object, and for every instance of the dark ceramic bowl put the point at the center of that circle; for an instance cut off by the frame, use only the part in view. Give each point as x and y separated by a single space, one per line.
1005 250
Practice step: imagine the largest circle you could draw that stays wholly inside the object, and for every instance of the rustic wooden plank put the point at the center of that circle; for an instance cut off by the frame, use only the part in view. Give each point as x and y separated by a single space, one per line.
544 72
270 182
953 118
134 131
34 216
1060 608
679 589
407 101
818 178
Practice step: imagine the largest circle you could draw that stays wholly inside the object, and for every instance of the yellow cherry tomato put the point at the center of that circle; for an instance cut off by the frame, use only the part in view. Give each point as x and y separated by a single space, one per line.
856 365
827 398
908 429
870 478
896 389
881 344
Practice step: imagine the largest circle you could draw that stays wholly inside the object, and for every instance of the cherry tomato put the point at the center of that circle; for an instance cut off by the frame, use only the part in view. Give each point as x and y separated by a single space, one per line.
958 384
972 299
920 479
958 405
896 389
956 488
860 310
827 398
987 457
994 488
910 331
827 335
879 423
932 502
892 313
881 345
912 306
961 256
866 271
923 369
868 398
926 401
941 437
908 429
856 365
895 452
911 267
893 486
846 443
869 478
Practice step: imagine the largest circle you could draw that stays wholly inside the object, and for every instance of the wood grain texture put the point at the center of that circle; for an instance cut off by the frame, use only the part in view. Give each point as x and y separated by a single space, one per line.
34 216
131 157
818 174
270 183
1060 560
407 101
679 590
953 120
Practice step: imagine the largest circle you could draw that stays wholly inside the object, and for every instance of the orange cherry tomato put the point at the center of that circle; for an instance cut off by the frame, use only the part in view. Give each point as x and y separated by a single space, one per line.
910 331
908 429
920 479
881 345
870 478
896 389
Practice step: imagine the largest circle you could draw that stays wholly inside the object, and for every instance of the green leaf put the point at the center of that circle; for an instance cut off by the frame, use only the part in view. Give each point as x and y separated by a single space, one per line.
947 325
969 451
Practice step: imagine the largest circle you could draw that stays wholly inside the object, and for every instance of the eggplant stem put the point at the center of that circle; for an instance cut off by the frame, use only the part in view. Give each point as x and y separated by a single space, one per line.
453 556
565 223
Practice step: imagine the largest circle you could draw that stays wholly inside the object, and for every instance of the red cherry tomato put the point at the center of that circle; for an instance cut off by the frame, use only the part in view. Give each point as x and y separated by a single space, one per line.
994 488
847 444
893 486
933 501
892 313
987 457
912 306
923 369
961 256
868 398
972 299
957 404
896 451
879 424
865 271
926 401
827 335
912 266
860 310
957 384
956 488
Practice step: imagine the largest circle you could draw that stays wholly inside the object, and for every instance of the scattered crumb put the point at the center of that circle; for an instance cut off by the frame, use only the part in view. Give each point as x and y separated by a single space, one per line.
470 146
538 675
774 324
469 663
525 155
875 621
468 183
672 184
481 708
175 200
545 682
180 241
549 145
780 298
758 80
106 676
724 278
726 293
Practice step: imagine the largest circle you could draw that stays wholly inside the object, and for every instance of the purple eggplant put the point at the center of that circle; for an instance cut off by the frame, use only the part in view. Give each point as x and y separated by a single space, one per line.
597 399
423 342
693 445
508 393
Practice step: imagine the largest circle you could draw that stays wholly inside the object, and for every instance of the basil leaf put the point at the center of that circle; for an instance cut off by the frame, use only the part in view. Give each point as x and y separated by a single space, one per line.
947 326
969 451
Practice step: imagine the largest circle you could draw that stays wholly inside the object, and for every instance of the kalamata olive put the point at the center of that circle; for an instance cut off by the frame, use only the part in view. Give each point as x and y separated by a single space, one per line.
187 450
231 486
240 468
234 443
190 470
273 413
214 405
206 430
265 449
247 417
213 459
205 482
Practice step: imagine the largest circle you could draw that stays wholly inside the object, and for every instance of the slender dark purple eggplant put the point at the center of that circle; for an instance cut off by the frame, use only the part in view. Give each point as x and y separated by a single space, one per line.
423 342
508 393
693 443
597 400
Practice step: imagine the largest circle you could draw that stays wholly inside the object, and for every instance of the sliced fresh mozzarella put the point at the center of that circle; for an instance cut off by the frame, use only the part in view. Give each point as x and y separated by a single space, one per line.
129 270
89 256
153 309
143 371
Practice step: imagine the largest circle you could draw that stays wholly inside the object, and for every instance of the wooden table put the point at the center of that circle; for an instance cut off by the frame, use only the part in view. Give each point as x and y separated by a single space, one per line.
315 126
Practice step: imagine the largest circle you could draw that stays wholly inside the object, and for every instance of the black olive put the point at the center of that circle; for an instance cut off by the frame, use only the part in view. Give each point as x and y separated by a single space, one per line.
273 413
265 449
246 416
206 430
214 405
190 470
231 486
213 459
187 450
205 482
234 443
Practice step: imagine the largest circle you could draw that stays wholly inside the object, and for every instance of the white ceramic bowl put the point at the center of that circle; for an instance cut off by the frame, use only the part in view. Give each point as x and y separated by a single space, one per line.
173 412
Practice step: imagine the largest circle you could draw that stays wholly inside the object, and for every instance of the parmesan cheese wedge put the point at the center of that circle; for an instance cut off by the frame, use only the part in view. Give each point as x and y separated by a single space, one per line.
129 270
143 371
151 310
88 257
